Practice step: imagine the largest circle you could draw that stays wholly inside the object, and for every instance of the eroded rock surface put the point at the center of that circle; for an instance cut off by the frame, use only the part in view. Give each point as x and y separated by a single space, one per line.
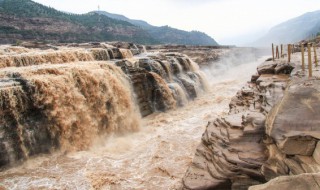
272 129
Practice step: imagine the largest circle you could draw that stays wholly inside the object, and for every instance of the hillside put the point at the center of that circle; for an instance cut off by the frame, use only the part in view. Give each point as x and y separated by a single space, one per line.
141 23
293 30
166 34
27 20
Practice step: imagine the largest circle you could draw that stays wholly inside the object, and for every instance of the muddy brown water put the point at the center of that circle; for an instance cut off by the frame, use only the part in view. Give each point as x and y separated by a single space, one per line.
156 157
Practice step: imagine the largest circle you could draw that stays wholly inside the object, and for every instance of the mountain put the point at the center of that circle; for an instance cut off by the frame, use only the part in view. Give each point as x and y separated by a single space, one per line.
27 20
141 23
293 30
166 34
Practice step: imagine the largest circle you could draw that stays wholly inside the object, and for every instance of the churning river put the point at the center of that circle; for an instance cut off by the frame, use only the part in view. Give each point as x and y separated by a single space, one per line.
156 157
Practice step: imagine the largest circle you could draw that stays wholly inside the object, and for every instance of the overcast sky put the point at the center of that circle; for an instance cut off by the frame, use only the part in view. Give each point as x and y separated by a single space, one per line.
227 21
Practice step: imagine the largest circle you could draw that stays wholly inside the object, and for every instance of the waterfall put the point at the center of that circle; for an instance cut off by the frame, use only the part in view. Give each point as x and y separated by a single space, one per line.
163 92
167 68
100 54
126 53
64 98
50 57
63 106
179 94
175 65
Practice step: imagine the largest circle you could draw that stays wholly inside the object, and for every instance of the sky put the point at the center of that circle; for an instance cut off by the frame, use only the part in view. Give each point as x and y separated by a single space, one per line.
235 22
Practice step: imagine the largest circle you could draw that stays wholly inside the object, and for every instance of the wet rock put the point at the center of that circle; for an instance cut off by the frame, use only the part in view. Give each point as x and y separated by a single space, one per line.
24 128
267 67
100 54
150 94
35 100
189 85
126 45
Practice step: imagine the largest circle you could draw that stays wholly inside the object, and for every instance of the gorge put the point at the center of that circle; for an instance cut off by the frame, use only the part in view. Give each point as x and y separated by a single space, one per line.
96 100
119 115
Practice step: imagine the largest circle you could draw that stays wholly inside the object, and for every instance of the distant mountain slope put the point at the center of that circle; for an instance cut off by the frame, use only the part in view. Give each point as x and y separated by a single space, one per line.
27 20
293 30
140 23
166 34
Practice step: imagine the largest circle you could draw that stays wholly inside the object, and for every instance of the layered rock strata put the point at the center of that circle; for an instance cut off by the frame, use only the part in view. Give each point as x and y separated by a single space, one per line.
272 129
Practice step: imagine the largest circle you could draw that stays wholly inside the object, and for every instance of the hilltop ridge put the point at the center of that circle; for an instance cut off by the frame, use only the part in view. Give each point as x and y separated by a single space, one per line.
25 20
166 34
293 30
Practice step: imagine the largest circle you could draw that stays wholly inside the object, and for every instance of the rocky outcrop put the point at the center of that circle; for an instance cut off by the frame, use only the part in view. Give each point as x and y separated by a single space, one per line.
293 127
271 130
150 75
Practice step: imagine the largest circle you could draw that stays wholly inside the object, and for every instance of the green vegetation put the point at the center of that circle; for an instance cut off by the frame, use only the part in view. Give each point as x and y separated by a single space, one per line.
92 27
27 20
30 9
166 34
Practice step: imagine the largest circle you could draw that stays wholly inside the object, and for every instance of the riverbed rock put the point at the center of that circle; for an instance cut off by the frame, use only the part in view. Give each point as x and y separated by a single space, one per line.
294 123
283 68
272 130
234 144
267 67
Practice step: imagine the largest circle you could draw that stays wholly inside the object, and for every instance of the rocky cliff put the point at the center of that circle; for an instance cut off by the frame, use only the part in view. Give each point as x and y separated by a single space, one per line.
62 97
271 130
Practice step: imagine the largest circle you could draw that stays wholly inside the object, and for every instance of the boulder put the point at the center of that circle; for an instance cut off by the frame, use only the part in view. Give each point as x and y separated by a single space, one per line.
283 68
294 122
232 148
267 67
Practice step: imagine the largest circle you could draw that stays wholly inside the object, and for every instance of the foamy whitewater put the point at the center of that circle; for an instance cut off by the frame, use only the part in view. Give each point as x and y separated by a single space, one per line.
156 157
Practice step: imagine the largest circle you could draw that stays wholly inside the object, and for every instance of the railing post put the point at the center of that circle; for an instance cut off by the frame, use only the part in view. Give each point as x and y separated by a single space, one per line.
309 60
292 48
272 52
315 55
289 53
302 56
